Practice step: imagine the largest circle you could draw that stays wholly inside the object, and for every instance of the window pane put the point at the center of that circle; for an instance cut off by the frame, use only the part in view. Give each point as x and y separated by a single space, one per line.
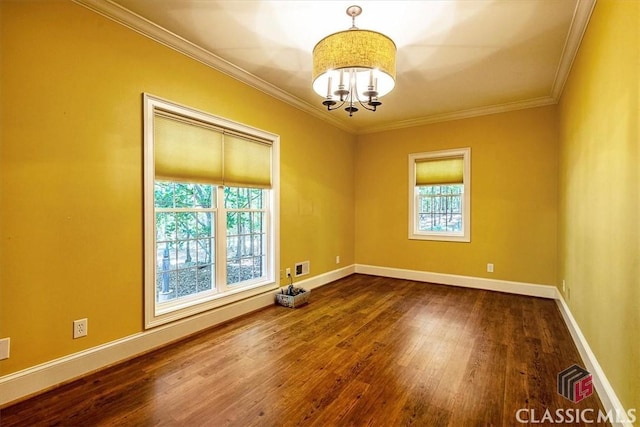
165 226
232 223
205 251
186 224
187 284
236 271
232 247
256 198
236 198
184 253
163 194
244 223
246 268
204 224
165 258
230 196
204 278
256 243
257 222
183 196
440 208
245 234
243 198
202 195
258 265
166 284
233 271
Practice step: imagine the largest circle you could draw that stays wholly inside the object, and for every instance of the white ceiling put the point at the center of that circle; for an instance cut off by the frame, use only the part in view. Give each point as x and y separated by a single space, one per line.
456 58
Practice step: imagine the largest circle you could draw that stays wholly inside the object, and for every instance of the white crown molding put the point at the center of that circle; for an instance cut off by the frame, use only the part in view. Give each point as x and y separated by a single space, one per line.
581 16
143 26
463 114
137 23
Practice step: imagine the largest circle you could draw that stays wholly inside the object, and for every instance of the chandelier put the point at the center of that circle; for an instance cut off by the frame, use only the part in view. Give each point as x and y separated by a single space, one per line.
354 67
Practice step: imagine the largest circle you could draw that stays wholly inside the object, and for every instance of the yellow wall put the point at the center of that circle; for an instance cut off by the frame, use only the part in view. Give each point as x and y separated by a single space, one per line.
71 188
599 192
513 197
71 168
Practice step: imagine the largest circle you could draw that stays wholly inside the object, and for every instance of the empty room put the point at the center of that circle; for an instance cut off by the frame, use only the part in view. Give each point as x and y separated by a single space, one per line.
323 213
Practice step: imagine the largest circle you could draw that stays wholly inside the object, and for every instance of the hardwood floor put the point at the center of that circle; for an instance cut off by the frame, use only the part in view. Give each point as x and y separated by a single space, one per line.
365 351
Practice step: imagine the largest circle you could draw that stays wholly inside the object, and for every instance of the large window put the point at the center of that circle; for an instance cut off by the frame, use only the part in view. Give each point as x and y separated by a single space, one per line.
210 207
439 195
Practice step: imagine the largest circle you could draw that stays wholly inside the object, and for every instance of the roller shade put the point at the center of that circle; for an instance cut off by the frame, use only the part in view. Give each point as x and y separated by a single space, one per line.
440 171
186 151
247 163
193 151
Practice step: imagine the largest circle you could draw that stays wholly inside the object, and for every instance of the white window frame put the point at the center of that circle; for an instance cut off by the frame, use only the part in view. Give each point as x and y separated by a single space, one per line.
155 315
465 234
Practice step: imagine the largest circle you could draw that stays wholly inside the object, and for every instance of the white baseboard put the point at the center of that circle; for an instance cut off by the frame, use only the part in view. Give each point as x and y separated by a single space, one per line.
323 279
606 393
32 380
27 382
529 289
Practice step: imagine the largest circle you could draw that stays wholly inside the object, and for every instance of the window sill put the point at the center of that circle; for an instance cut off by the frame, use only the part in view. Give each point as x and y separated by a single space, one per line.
441 237
179 311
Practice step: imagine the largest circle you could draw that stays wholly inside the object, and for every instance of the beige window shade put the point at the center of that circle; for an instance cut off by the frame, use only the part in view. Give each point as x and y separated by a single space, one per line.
247 163
189 150
186 151
440 171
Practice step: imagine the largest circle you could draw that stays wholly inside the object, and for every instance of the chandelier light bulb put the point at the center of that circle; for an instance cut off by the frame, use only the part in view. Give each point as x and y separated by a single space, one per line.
361 62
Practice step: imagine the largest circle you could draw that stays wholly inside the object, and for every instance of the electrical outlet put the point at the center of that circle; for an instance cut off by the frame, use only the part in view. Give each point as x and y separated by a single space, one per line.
564 286
288 272
80 328
337 259
4 348
489 268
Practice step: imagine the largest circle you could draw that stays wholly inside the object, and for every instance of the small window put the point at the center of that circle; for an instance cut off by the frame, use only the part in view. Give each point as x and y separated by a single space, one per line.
439 195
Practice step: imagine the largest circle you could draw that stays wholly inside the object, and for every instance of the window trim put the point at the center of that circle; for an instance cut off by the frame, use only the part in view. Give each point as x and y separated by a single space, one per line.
152 315
465 235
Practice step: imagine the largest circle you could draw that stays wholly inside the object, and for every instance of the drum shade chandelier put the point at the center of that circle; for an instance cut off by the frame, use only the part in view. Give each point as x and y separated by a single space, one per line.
354 67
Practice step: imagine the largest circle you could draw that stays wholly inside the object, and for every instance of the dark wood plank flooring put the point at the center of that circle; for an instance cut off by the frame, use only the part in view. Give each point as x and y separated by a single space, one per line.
366 351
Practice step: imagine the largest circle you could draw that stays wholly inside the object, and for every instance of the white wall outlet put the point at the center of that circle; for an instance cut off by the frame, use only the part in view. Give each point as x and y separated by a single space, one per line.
80 328
288 271
337 259
489 268
564 286
4 348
